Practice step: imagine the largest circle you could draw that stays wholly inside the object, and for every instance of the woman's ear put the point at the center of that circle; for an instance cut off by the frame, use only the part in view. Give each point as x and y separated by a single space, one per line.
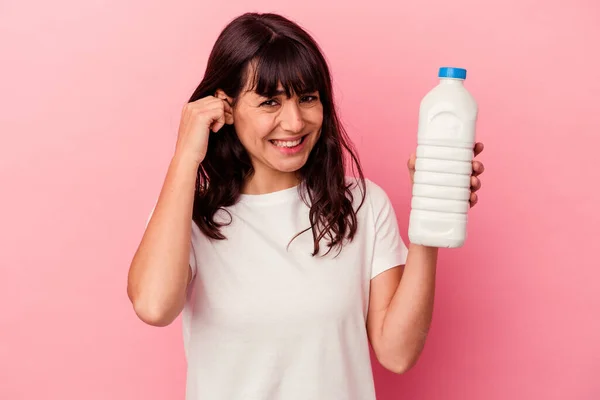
220 94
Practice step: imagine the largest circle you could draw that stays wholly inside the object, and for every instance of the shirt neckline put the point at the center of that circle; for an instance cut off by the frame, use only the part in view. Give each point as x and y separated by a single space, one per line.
277 196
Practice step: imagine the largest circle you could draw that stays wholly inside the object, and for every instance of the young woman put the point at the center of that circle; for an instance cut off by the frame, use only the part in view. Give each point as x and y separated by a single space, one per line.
285 268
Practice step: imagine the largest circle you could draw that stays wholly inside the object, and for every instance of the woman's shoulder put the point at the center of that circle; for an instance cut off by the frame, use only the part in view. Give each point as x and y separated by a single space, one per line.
374 195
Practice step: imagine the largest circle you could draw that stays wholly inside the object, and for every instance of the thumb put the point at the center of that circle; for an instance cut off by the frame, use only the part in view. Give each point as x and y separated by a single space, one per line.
218 120
227 106
412 161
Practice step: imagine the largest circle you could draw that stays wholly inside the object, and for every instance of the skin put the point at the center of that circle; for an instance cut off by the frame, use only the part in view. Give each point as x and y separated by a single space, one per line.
258 120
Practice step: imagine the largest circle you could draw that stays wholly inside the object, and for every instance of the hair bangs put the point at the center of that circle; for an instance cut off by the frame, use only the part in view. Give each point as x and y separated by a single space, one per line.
285 64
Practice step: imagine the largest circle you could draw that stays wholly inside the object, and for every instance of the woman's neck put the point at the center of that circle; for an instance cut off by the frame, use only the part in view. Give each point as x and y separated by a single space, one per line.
262 182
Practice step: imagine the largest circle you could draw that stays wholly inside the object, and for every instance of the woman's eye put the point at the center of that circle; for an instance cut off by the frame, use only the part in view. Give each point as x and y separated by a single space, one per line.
308 99
269 103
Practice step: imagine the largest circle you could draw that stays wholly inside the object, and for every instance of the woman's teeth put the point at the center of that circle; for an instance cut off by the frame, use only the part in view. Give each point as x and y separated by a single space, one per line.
283 143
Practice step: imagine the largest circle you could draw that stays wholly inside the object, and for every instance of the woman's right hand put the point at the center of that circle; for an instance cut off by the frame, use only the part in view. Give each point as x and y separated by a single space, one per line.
198 118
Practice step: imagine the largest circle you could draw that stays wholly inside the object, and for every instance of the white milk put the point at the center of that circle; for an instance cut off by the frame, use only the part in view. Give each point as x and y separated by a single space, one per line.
445 141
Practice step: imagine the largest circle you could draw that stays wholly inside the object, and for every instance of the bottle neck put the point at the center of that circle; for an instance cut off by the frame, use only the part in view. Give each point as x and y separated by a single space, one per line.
451 81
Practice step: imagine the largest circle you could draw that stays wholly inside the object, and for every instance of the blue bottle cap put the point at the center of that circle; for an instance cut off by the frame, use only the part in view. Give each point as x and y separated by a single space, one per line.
452 72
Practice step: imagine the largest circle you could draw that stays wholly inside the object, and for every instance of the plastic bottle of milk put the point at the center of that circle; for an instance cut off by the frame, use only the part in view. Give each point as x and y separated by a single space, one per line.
442 182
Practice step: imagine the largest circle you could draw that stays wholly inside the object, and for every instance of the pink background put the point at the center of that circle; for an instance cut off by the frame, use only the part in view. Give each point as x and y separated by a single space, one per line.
91 96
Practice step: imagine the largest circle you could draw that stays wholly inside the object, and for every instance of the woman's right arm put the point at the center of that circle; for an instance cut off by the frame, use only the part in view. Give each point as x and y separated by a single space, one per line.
159 273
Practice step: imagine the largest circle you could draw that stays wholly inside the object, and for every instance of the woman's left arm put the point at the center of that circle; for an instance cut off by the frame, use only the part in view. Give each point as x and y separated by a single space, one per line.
401 307
401 299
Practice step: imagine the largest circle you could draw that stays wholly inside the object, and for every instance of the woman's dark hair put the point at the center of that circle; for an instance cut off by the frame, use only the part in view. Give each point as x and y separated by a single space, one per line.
280 52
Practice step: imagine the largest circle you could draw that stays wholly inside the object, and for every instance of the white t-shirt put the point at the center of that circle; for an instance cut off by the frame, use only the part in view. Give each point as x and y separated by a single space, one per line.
268 322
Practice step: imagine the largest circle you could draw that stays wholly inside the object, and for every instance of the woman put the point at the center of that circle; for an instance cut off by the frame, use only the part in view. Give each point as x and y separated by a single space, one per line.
285 269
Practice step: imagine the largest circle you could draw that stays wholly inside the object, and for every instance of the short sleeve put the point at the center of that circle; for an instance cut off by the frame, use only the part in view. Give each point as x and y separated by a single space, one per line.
193 259
194 238
389 248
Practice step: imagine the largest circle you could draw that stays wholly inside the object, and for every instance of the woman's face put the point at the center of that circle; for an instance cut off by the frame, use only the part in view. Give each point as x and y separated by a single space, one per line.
278 132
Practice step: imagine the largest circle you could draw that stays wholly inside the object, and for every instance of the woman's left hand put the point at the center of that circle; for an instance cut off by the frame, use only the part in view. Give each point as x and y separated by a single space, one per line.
477 170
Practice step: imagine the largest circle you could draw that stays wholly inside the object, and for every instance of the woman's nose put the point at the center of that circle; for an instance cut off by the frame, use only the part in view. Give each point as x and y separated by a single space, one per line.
291 118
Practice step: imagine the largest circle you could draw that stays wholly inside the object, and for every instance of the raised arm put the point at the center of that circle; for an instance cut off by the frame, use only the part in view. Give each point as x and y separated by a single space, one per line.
160 271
